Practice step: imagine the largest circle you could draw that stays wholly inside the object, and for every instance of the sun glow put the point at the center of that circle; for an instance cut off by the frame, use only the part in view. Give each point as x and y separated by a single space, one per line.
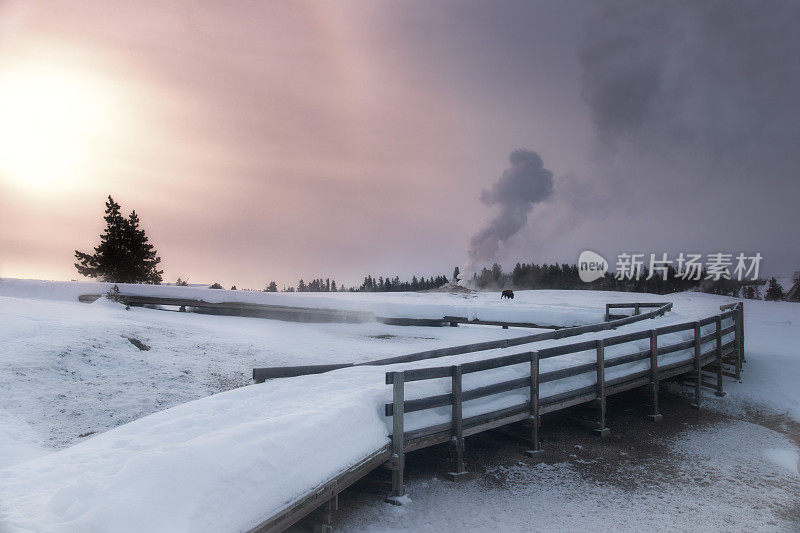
52 122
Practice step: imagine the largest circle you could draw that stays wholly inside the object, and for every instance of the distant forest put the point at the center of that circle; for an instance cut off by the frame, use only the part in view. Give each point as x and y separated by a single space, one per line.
533 276
370 284
564 276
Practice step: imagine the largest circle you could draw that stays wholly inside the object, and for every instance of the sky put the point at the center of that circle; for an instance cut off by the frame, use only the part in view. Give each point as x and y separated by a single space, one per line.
264 141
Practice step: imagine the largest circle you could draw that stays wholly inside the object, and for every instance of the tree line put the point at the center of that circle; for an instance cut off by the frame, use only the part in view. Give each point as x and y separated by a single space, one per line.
565 276
125 255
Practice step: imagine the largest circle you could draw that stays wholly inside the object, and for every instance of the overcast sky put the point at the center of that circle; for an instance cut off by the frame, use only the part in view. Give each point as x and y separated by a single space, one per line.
278 140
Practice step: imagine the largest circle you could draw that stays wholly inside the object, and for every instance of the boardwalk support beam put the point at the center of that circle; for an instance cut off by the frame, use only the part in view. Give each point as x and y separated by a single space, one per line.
698 374
601 428
739 332
718 338
533 420
459 472
397 462
655 416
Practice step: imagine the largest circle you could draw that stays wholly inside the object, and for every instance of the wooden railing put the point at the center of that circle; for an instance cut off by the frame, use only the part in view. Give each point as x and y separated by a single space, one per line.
722 353
636 306
658 309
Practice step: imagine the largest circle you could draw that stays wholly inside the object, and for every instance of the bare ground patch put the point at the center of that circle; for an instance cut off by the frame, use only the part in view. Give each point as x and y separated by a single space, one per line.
699 468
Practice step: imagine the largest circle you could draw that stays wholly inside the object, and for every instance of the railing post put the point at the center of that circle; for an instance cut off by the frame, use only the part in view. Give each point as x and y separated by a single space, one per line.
636 309
718 338
738 318
601 428
533 419
698 393
459 473
608 312
398 443
655 416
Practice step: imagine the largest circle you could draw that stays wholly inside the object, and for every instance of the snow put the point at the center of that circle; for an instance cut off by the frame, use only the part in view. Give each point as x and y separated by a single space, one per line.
66 369
539 307
228 460
787 458
711 479
772 338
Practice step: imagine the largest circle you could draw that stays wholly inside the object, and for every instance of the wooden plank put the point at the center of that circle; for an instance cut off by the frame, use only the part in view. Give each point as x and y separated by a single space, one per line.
262 374
565 403
674 328
561 373
319 495
418 374
675 347
567 395
708 321
627 377
628 337
496 362
629 358
496 388
627 385
477 322
555 351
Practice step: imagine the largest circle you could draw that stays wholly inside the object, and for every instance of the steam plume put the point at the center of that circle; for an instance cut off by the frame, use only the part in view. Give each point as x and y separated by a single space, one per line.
522 185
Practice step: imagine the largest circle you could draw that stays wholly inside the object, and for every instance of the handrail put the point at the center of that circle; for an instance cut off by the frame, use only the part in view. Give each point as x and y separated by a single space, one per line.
659 309
393 455
721 353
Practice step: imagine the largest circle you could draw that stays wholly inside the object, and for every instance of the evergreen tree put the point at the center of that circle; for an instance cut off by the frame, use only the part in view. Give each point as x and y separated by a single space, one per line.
272 287
124 254
774 291
456 273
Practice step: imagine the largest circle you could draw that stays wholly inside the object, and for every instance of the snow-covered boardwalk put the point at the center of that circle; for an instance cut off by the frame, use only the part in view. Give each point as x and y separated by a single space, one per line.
254 455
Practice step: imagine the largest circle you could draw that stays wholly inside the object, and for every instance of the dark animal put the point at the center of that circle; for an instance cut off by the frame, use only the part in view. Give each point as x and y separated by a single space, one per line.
508 293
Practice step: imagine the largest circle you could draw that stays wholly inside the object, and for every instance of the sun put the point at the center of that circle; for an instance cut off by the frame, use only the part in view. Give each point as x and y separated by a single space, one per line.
52 122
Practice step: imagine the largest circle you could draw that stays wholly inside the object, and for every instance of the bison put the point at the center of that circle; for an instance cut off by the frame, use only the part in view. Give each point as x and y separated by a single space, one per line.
508 293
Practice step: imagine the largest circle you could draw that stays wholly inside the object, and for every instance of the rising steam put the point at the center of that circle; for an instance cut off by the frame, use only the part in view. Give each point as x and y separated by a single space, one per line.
521 186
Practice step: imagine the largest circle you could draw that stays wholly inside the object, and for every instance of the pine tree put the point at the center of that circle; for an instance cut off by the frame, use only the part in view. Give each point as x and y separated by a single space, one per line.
456 273
144 261
774 291
272 287
124 254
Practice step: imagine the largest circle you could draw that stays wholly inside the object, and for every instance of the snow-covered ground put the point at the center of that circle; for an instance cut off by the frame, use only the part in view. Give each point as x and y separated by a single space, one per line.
538 307
226 461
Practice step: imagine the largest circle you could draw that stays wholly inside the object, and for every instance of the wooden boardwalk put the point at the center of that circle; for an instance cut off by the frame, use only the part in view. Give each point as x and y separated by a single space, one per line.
301 314
717 352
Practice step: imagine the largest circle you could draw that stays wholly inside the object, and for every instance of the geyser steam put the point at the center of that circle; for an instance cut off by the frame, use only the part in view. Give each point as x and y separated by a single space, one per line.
521 186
